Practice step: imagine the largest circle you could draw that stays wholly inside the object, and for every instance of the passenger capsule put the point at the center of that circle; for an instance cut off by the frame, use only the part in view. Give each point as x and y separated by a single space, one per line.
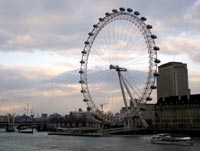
85 100
90 34
107 14
81 72
153 36
149 27
87 42
153 87
83 91
82 62
148 98
114 11
137 13
129 10
88 109
101 19
143 18
95 26
156 48
83 52
122 9
156 74
81 81
157 61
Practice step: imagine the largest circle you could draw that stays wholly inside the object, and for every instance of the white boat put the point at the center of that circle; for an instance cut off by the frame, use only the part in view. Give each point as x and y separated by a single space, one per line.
171 140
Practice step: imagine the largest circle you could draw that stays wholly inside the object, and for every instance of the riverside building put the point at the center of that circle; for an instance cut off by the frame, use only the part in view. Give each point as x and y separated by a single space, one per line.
176 109
172 80
175 114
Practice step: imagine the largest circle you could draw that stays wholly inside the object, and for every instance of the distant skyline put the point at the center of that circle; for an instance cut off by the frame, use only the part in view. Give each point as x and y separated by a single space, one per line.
41 44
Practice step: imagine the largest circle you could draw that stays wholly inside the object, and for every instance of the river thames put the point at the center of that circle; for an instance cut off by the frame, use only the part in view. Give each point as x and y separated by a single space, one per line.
43 142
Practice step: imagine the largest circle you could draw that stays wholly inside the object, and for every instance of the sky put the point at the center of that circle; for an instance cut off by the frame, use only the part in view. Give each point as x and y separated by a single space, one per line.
41 43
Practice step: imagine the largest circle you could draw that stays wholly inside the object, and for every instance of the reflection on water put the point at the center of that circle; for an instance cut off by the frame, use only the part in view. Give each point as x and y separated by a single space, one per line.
44 142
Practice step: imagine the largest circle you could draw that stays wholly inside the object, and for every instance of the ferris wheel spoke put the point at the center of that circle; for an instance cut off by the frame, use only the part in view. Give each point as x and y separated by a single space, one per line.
141 59
133 40
126 37
102 43
138 46
126 31
97 51
100 54
101 50
109 38
134 84
137 61
112 35
122 30
105 91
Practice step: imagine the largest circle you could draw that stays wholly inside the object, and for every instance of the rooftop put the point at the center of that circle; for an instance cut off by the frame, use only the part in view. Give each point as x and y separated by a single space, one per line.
184 100
171 63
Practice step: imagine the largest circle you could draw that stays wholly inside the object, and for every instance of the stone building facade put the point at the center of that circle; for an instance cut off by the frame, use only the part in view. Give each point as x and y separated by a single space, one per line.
178 114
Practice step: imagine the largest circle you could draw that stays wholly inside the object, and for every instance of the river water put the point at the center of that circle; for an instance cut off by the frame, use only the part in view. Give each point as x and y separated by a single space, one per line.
43 142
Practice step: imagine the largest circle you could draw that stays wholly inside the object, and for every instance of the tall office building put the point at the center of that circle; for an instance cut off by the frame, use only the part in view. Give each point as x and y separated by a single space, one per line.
172 80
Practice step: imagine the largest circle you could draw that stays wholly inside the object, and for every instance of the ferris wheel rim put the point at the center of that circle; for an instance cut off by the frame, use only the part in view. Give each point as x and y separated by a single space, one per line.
149 40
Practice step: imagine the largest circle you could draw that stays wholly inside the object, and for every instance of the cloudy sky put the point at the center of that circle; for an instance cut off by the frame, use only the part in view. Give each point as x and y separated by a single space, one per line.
41 41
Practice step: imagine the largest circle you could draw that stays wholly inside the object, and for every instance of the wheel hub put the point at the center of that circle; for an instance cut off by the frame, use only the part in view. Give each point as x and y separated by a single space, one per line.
117 68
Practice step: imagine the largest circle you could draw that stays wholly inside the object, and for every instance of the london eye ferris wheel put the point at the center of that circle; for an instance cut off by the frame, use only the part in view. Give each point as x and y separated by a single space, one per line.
118 67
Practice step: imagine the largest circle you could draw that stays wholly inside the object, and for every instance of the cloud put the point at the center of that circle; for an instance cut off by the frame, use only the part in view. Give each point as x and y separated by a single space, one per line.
194 80
61 27
173 17
19 86
10 108
180 35
40 26
193 12
57 26
69 77
186 43
12 79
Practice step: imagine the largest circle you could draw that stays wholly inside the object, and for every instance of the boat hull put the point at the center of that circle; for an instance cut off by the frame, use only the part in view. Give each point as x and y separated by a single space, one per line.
168 139
186 143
